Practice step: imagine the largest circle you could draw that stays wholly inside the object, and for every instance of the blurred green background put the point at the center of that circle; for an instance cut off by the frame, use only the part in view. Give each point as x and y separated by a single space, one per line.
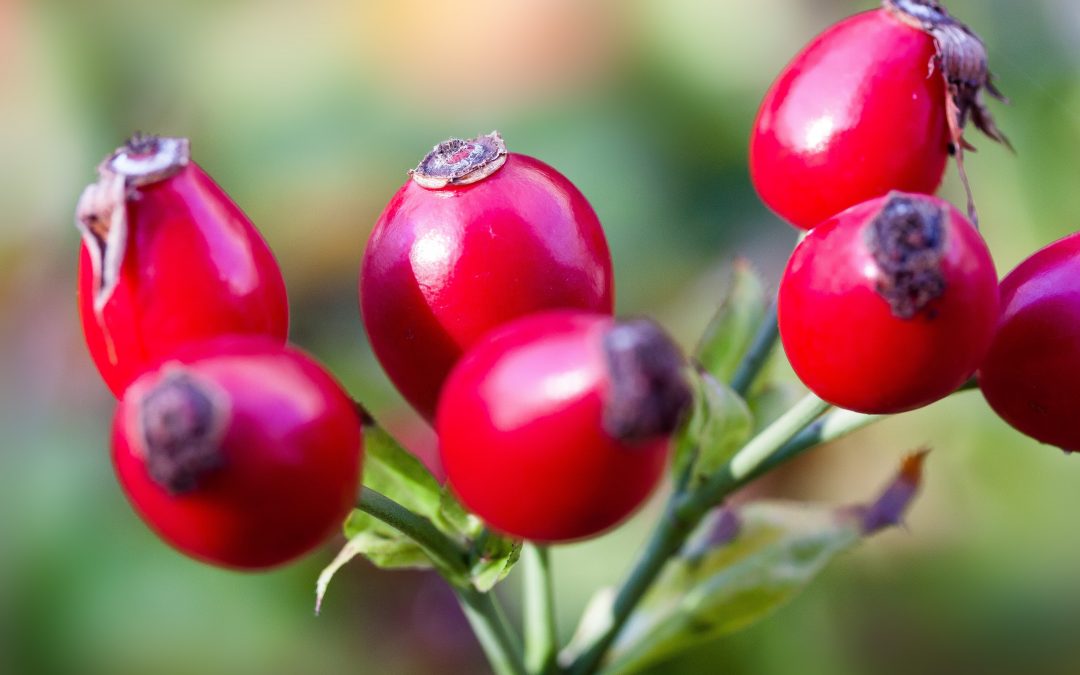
309 113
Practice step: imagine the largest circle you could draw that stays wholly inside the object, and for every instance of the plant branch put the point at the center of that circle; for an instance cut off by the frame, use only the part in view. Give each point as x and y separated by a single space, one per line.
499 642
444 552
757 354
682 515
835 425
541 639
803 427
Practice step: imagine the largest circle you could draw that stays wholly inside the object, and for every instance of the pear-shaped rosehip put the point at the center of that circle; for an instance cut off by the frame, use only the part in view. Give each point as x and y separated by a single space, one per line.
875 103
477 237
167 259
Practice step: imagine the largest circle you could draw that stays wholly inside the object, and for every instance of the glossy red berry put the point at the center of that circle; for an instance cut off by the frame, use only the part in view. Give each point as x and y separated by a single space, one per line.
889 305
167 258
864 109
238 451
475 238
557 426
1031 377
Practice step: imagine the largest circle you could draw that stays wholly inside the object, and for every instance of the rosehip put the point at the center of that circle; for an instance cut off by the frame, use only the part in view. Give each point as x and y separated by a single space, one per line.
865 109
238 451
557 426
889 305
1031 376
476 238
167 258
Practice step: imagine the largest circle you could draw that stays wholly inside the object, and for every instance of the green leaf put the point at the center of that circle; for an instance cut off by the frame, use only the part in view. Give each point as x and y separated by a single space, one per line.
452 516
596 619
732 328
745 563
401 476
494 560
719 425
398 474
384 546
771 400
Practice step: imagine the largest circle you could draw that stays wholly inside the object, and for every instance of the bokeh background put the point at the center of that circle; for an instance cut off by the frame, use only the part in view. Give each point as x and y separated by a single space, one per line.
309 113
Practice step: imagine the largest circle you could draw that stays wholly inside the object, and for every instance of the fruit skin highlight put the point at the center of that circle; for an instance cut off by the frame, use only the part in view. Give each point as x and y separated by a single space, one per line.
448 263
239 452
1031 376
558 426
890 305
168 259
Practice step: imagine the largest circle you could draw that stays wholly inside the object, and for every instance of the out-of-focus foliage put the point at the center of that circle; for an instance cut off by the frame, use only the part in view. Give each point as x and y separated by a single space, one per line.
309 114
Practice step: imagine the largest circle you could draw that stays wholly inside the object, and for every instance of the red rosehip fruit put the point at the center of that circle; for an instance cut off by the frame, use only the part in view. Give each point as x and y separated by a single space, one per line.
239 451
1031 376
890 305
167 259
557 426
477 237
875 103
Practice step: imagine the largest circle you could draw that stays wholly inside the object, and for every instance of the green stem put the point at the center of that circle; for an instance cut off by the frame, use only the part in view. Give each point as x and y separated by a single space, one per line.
768 441
541 640
836 424
758 353
500 644
683 514
444 552
497 639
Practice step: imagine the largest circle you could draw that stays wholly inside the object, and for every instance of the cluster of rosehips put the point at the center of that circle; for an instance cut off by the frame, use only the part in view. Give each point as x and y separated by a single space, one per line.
242 451
486 291
893 302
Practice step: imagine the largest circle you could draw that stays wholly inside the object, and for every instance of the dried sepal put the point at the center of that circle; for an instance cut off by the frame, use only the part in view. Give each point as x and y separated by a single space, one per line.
962 58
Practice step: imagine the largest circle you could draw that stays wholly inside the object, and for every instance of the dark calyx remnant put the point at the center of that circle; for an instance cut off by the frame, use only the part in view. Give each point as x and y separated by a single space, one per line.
649 391
907 240
141 144
460 162
181 432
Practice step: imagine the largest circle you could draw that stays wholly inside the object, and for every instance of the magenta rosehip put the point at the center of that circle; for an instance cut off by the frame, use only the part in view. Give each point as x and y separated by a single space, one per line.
1031 376
865 109
557 426
477 237
889 305
238 451
167 259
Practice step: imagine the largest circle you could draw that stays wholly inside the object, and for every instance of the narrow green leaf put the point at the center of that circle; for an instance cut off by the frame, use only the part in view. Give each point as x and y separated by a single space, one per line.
732 328
771 400
743 564
497 557
381 544
595 620
452 516
398 474
718 426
